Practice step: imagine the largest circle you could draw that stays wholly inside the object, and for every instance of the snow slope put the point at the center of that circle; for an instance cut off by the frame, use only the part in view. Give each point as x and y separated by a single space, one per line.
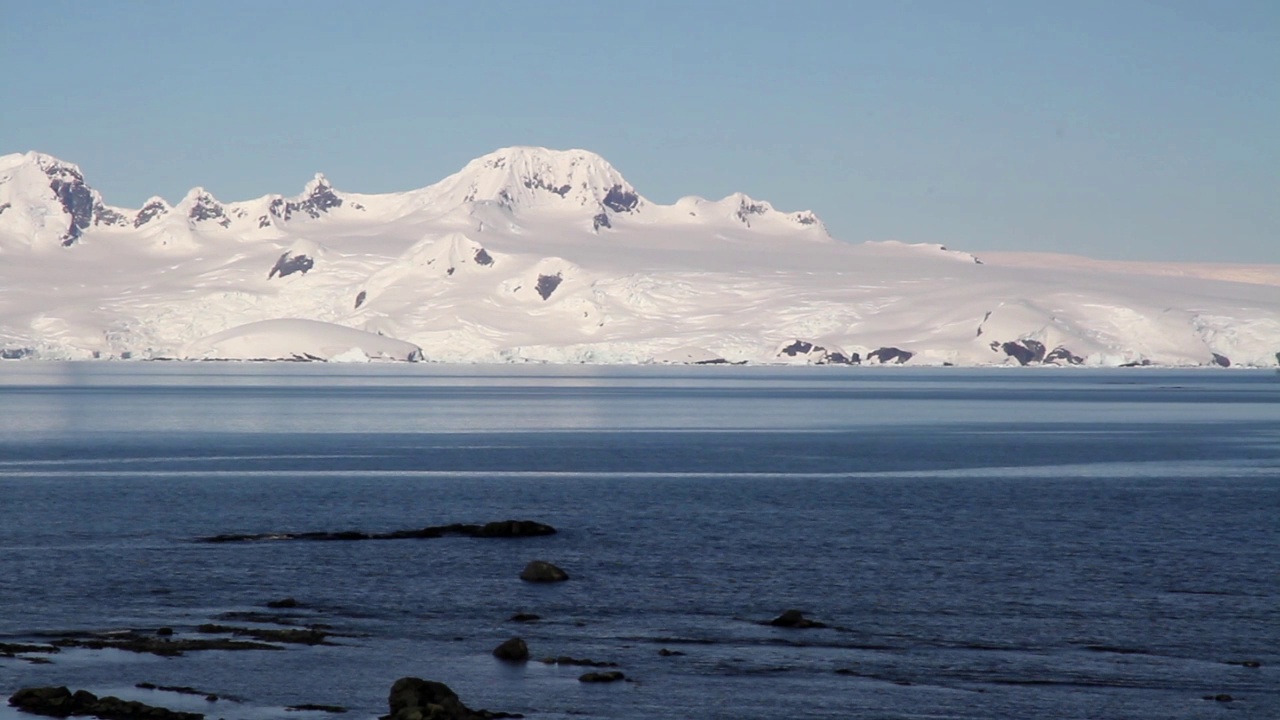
529 254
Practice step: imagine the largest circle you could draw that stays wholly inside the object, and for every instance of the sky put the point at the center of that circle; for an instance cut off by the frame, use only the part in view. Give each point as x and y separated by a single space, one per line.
1121 129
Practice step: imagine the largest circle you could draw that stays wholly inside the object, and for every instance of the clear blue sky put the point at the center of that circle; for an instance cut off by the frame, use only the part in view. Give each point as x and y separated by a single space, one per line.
1125 129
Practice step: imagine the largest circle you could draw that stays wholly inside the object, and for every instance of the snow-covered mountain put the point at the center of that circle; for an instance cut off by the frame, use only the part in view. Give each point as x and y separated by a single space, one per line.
528 254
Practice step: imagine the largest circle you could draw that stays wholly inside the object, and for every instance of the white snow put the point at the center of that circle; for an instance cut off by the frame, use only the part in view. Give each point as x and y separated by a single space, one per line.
508 261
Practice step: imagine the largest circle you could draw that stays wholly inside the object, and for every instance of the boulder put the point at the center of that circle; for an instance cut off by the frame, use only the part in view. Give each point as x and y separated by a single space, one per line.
541 571
514 529
513 650
417 699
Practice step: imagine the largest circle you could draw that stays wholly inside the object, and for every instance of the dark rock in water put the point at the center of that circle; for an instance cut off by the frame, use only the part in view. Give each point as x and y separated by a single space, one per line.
1062 354
498 529
619 200
417 699
524 617
601 220
513 650
1221 360
514 529
292 636
540 571
669 653
1247 663
286 265
166 647
602 677
61 702
164 632
1025 351
582 662
282 603
336 709
11 649
547 284
795 619
179 689
360 296
890 355
1220 697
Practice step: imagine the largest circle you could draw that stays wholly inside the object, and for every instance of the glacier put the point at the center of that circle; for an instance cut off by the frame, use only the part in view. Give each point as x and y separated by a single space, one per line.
535 255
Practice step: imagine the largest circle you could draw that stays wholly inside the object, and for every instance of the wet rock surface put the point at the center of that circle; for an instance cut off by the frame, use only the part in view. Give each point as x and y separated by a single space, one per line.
144 643
62 702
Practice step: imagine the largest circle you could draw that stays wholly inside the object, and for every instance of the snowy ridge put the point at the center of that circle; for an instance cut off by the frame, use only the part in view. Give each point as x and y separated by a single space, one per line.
536 255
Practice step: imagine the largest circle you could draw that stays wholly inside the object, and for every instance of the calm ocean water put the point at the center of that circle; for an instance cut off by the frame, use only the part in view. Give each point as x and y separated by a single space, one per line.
985 544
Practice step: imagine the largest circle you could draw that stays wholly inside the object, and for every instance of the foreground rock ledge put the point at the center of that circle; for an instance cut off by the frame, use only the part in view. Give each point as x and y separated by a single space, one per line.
417 699
61 702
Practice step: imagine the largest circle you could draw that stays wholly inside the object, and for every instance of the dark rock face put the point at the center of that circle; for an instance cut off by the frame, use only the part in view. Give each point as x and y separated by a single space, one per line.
806 218
619 200
799 347
547 284
795 619
149 212
890 355
482 257
15 353
360 297
601 220
61 702
321 200
1221 360
286 265
747 209
282 603
819 355
76 199
540 571
417 699
103 215
5 206
206 209
538 183
1025 351
1137 363
513 650
1061 354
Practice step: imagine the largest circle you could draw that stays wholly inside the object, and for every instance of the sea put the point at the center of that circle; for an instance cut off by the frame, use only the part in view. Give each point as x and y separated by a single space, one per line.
1000 543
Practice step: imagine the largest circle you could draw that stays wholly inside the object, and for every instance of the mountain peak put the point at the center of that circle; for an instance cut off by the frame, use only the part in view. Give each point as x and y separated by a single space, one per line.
522 177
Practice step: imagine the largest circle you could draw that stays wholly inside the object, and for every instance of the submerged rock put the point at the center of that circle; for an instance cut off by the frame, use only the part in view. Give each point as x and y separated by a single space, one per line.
540 571
498 529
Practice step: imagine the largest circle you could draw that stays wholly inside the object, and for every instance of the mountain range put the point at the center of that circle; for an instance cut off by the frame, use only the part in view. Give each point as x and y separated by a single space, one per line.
535 255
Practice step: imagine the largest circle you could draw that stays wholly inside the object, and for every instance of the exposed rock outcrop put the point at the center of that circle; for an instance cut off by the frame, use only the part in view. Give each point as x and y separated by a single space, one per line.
417 699
61 702
540 571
